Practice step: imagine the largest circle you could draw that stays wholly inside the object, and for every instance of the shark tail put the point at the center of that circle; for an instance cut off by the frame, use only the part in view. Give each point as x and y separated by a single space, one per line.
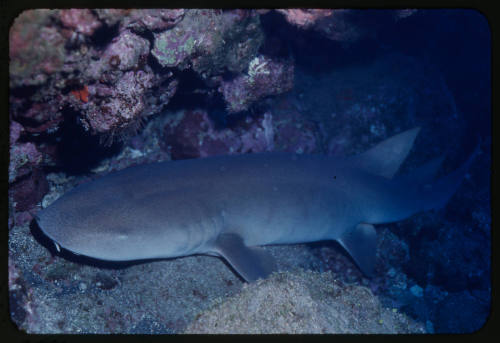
429 194
439 192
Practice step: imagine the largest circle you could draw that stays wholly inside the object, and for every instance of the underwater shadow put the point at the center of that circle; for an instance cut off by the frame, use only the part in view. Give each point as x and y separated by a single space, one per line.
78 150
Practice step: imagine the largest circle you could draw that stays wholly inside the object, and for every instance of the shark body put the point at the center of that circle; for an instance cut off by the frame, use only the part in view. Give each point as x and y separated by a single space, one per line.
229 205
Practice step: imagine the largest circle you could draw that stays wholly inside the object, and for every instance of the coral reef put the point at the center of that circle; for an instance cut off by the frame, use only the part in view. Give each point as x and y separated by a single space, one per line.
26 178
191 134
80 21
341 25
28 191
264 77
304 18
210 41
36 48
25 156
119 107
123 53
189 83
152 19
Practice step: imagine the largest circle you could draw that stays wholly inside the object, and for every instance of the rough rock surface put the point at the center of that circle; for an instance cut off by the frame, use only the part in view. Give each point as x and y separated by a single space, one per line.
264 77
302 303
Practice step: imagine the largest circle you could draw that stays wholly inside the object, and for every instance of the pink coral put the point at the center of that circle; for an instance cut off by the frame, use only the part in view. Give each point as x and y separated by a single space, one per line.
161 96
27 183
264 77
35 48
154 19
116 109
210 41
44 116
193 134
304 18
23 158
111 16
125 52
343 25
80 20
29 191
15 132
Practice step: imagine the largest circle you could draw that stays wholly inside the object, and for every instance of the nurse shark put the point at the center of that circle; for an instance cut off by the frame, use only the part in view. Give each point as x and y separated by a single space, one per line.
228 206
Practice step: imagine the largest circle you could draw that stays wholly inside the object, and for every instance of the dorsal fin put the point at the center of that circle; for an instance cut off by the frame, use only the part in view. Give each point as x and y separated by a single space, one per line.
385 158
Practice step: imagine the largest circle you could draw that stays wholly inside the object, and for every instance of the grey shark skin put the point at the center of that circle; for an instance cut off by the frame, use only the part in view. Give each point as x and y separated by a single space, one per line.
228 205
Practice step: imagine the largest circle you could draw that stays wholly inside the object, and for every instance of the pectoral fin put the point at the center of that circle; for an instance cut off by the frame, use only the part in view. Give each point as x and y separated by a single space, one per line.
361 244
250 262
